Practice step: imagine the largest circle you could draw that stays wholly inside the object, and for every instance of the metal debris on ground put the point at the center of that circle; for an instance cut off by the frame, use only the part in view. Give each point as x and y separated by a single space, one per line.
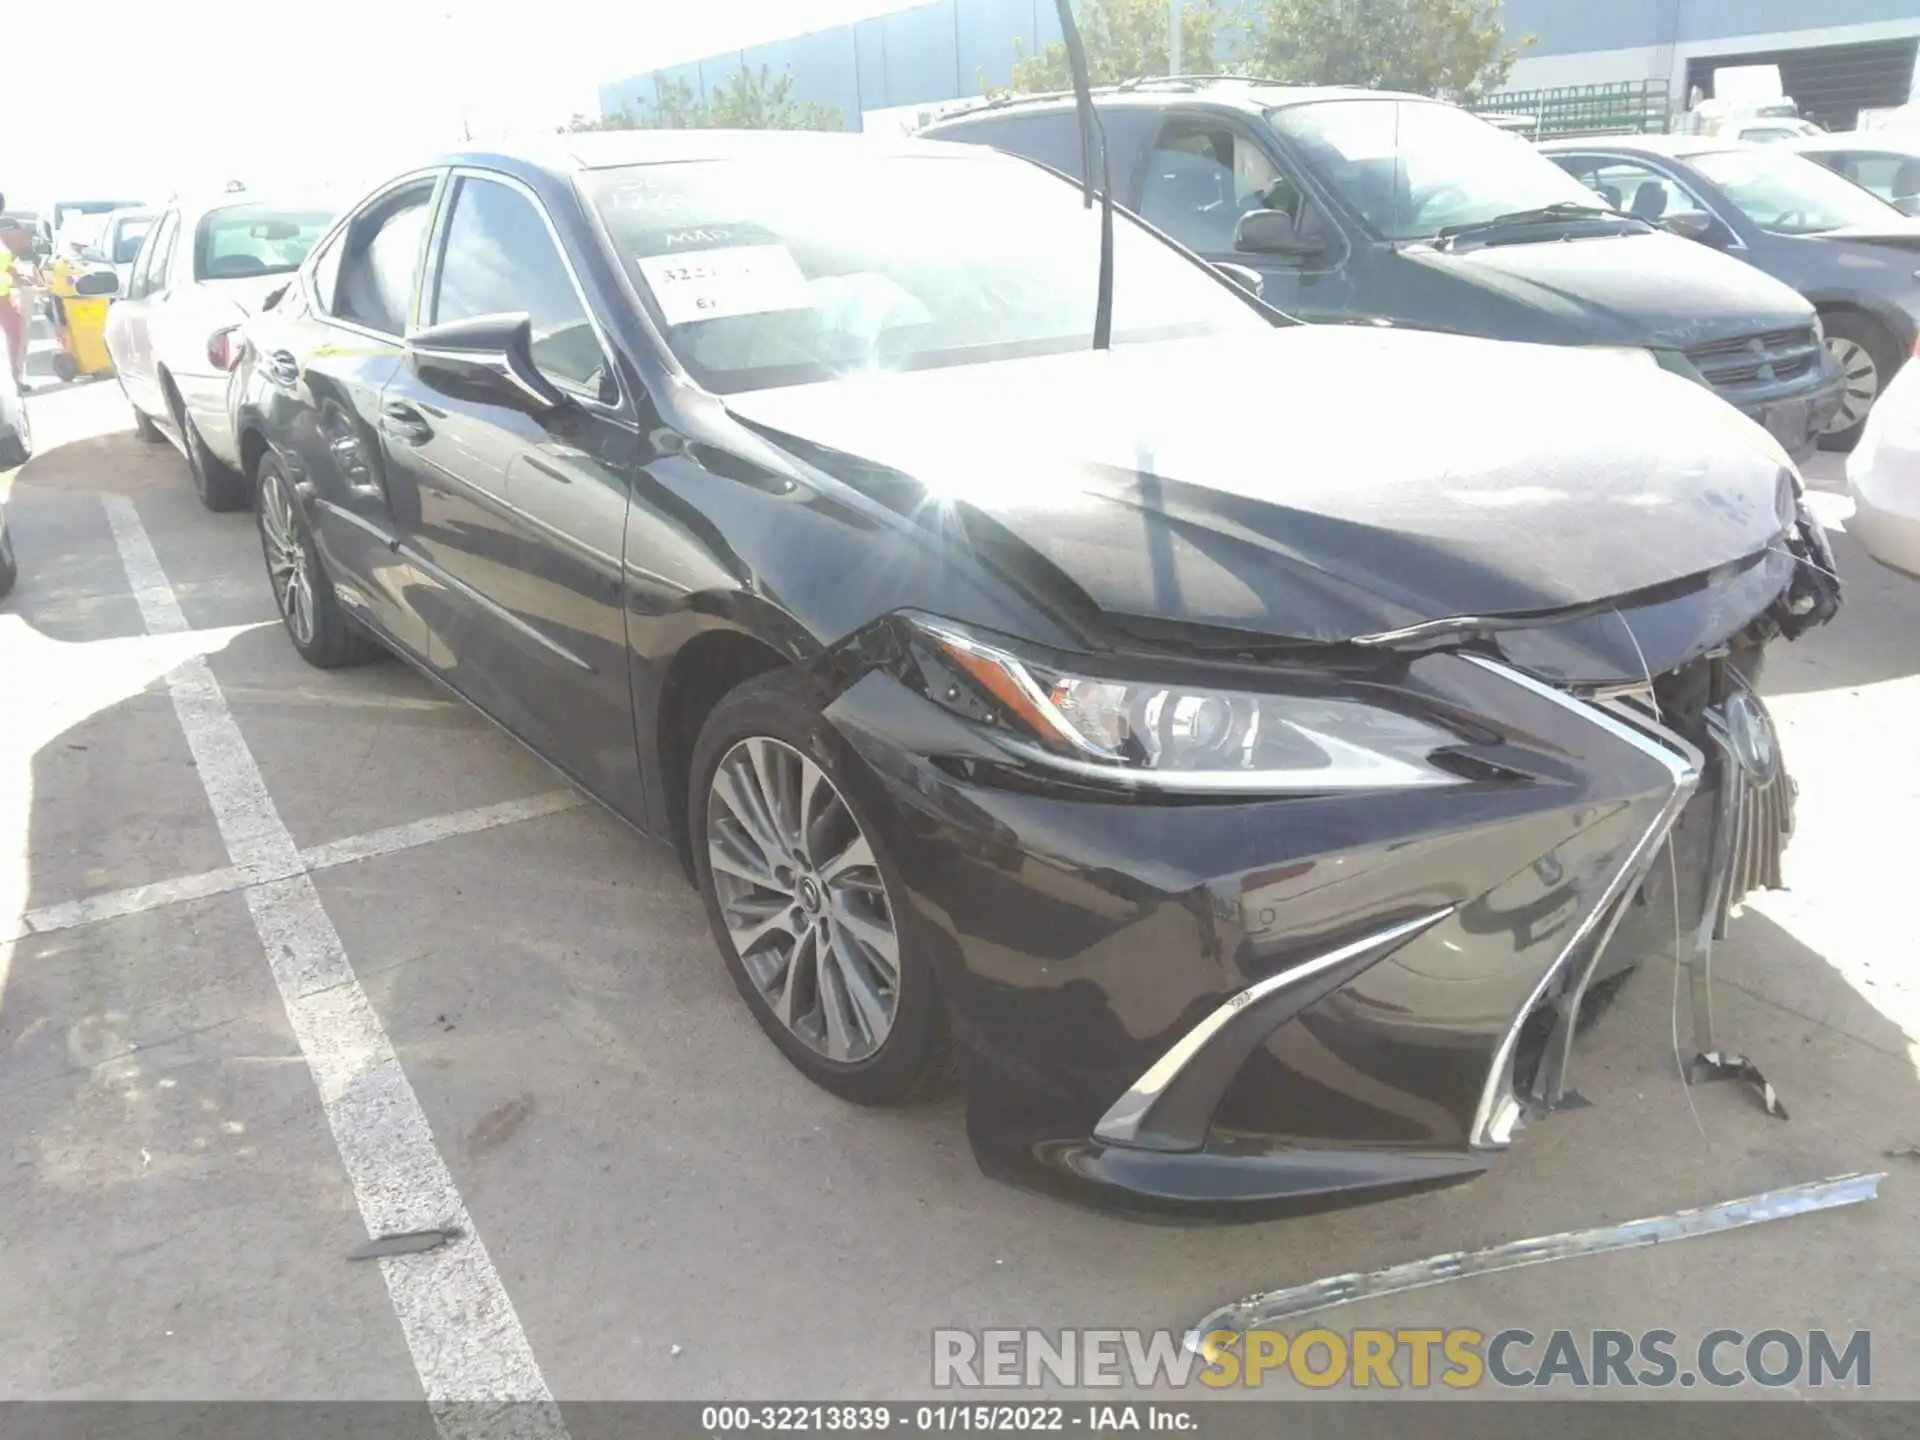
1718 1065
1261 1310
407 1242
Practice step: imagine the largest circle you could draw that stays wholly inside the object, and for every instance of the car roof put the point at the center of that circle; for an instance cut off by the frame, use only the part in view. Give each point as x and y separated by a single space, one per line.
1678 147
1892 142
612 149
1229 91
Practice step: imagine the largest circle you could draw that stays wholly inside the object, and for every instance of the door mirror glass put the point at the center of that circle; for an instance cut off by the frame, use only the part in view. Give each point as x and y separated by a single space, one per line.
1271 232
97 282
488 358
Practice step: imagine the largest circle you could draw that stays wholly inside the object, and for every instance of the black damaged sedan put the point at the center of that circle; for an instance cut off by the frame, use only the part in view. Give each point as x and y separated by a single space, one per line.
1237 777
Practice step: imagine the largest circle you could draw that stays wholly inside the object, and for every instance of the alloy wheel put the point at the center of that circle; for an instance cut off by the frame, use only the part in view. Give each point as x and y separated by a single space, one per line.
1863 382
802 899
286 557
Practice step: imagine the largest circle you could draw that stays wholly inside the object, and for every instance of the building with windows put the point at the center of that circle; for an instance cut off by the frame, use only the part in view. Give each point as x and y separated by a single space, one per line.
1836 57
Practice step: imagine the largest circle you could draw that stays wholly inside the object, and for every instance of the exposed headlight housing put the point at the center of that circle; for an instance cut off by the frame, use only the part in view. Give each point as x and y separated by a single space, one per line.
1174 736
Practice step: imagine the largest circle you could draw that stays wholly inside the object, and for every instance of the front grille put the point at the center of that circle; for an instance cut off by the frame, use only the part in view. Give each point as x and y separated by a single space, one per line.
1754 362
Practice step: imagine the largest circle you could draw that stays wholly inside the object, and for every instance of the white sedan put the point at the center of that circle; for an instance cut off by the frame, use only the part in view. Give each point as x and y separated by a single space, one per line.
172 333
1883 472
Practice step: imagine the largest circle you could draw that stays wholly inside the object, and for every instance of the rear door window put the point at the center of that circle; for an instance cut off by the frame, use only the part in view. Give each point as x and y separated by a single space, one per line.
151 278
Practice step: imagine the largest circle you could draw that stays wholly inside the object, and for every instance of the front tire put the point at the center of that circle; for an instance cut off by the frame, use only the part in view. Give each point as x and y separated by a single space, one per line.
1868 357
806 904
317 624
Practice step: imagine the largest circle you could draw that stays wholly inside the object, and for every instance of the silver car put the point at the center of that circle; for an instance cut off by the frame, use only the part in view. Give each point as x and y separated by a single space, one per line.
173 333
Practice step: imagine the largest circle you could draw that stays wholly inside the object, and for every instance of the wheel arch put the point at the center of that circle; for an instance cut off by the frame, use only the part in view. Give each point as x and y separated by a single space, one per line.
701 673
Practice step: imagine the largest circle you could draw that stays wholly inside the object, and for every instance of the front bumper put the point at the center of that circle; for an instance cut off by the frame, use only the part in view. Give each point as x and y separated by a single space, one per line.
1235 1010
1799 414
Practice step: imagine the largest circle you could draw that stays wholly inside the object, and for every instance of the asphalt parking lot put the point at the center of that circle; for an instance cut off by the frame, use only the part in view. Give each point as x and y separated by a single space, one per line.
654 1204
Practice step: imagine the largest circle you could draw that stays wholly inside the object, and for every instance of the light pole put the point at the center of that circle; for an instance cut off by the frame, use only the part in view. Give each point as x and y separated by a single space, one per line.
1173 37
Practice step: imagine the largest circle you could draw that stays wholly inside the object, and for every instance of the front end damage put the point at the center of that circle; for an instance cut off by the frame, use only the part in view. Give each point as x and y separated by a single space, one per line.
1236 1007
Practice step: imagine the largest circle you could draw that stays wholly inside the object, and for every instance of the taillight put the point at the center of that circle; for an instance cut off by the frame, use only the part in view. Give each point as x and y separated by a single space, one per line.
224 347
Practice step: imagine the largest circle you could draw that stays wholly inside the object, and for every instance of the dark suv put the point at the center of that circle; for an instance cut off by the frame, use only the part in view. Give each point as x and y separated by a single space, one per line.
1367 205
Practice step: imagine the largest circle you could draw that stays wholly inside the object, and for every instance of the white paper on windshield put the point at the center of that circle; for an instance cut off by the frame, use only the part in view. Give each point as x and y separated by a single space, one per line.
738 280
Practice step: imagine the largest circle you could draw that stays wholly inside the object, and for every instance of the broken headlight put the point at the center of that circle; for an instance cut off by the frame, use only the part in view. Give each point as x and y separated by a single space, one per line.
1176 736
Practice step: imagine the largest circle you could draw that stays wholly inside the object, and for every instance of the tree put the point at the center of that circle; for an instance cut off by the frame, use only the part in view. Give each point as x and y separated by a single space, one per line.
1453 48
1124 40
746 100
749 101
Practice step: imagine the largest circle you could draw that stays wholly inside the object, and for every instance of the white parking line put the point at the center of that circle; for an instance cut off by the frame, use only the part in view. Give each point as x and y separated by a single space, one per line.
460 1325
114 904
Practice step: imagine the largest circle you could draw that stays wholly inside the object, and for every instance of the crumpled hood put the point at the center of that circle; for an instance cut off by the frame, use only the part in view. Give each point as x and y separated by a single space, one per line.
1319 483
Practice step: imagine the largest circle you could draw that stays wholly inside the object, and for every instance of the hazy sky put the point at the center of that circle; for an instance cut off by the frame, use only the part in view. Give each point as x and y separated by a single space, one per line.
188 94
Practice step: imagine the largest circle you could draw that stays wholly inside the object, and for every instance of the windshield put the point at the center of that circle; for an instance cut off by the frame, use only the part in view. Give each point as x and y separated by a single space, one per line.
1790 195
125 235
765 276
246 240
1411 167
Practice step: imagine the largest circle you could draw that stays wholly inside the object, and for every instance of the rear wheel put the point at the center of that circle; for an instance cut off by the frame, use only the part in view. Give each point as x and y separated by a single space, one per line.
802 898
319 627
218 486
1867 356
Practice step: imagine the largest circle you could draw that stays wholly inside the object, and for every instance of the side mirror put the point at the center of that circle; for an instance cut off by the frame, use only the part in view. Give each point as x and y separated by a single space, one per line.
1271 232
97 282
487 358
1697 225
1247 278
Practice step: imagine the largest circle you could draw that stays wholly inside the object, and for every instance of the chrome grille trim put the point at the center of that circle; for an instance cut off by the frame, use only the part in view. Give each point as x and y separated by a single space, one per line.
1751 362
1499 1111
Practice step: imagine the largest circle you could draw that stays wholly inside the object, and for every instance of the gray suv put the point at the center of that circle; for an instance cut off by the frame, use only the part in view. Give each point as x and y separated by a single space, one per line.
1358 205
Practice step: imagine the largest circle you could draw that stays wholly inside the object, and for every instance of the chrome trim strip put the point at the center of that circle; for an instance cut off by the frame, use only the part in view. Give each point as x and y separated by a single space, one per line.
1499 1110
1121 1124
1265 1311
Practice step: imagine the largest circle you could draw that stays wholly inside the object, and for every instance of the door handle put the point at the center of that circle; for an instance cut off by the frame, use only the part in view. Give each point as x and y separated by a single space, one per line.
404 422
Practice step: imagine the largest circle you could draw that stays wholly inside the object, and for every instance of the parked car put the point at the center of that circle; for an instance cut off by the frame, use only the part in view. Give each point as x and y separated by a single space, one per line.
1366 205
1883 473
202 269
1245 810
120 240
1853 255
1887 162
